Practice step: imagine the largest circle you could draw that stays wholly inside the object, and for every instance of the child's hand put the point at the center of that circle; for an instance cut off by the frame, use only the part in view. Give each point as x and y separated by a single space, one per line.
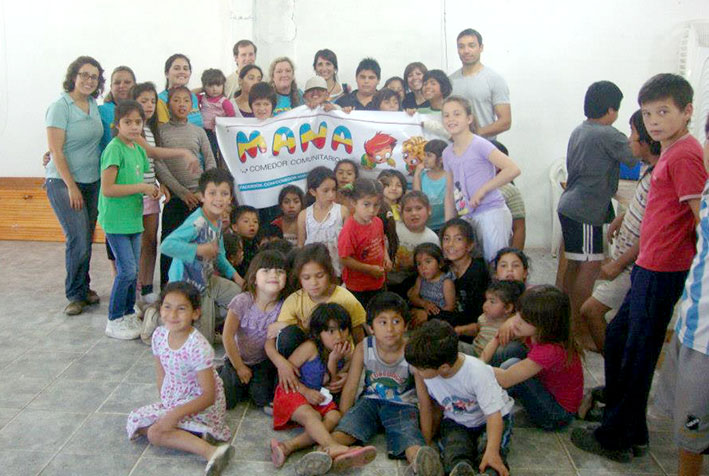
208 251
288 377
191 200
165 192
238 280
166 422
328 106
610 270
388 265
410 111
313 396
151 191
431 308
191 161
377 271
336 385
46 158
419 168
477 197
245 374
340 351
347 109
507 332
493 460
274 329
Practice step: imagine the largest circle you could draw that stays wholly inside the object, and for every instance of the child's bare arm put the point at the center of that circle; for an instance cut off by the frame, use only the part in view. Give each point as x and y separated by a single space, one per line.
491 457
353 264
350 389
425 409
302 235
449 204
205 379
449 295
414 294
159 374
109 187
470 330
287 373
490 350
231 346
519 372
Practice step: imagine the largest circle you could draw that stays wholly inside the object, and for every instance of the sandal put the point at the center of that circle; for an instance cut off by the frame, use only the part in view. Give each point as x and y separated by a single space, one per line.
354 458
278 457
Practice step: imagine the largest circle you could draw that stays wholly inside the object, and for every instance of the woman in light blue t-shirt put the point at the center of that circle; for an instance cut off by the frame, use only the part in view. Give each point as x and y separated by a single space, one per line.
282 79
74 132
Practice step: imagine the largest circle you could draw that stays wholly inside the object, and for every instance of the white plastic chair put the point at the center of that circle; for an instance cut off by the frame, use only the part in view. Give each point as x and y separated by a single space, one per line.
557 175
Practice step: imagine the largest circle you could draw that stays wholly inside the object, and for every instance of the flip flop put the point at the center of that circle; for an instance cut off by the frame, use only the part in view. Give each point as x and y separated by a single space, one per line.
277 456
219 460
354 458
314 463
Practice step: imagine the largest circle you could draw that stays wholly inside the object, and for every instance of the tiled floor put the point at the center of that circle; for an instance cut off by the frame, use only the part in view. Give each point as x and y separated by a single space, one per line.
66 390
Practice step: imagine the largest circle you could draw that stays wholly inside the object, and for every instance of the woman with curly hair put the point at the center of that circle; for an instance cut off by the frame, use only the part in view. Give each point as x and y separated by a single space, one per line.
282 78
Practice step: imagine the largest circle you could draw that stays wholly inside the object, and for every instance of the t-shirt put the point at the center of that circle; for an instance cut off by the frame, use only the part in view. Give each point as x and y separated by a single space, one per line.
435 190
488 330
404 265
107 111
629 232
471 287
365 243
513 200
163 112
471 395
284 103
181 246
393 383
470 172
82 137
409 102
149 176
563 380
667 236
123 215
298 306
253 326
593 159
692 326
350 100
484 90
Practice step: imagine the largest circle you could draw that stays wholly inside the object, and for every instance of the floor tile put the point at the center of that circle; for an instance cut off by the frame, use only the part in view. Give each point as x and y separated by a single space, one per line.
535 449
6 415
151 466
257 449
45 365
143 371
104 434
130 396
90 465
23 463
73 396
67 341
16 392
663 448
105 361
39 430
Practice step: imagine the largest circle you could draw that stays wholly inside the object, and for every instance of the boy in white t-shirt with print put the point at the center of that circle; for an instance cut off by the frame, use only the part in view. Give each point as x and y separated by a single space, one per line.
477 424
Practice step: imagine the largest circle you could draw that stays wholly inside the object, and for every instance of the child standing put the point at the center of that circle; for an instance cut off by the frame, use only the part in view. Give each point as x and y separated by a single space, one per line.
290 199
322 221
213 104
245 223
346 172
318 359
391 391
433 290
191 392
120 213
471 164
461 249
394 184
315 277
362 245
635 336
477 425
197 249
430 178
411 232
247 369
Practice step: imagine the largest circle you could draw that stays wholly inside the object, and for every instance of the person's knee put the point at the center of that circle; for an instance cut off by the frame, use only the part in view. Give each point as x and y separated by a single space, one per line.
333 417
592 308
155 436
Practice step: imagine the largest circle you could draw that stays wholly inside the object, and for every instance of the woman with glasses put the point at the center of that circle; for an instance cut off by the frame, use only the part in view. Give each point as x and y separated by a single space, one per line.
74 132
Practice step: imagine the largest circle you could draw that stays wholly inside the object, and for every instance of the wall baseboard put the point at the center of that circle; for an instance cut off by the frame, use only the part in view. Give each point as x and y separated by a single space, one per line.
25 212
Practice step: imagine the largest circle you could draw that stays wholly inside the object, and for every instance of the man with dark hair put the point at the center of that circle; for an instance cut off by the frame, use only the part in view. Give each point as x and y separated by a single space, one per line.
244 53
484 88
368 75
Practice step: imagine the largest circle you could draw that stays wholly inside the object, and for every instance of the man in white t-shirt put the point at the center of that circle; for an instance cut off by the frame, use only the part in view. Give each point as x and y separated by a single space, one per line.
244 53
483 87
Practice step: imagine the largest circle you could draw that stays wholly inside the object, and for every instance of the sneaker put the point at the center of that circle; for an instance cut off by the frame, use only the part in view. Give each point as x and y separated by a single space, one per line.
219 460
74 308
145 301
121 329
149 324
640 450
133 320
427 462
268 409
313 463
463 469
92 298
583 438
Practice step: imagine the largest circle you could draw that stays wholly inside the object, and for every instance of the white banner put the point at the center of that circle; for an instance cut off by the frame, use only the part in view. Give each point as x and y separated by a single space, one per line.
265 155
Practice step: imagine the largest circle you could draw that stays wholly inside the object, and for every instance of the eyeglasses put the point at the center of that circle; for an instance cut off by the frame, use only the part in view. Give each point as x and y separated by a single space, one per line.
86 76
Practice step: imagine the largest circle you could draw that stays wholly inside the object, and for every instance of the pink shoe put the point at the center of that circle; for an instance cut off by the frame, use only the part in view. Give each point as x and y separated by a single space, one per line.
354 458
277 456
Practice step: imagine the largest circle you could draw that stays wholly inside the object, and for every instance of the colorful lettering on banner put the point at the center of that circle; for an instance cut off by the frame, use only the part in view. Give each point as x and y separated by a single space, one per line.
250 145
342 136
307 136
283 137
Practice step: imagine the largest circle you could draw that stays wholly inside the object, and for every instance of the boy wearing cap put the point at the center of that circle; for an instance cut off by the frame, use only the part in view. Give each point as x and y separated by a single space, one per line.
316 94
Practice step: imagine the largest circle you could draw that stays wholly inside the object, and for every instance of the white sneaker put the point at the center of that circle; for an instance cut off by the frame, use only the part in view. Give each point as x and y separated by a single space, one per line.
149 299
150 323
133 320
122 329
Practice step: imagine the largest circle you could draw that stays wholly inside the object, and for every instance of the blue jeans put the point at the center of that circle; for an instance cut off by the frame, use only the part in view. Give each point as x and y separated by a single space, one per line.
541 406
78 227
126 249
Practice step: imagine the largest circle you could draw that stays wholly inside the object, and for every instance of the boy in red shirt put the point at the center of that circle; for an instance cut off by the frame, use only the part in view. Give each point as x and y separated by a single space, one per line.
667 245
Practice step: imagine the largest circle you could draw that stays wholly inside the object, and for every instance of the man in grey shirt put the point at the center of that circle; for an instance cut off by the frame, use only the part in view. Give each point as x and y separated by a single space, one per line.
483 87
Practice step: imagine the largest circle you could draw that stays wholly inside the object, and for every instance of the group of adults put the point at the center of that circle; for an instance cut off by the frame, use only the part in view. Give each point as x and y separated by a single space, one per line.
78 128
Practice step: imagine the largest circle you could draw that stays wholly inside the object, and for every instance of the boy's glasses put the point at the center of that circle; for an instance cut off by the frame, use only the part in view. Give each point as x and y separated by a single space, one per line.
86 76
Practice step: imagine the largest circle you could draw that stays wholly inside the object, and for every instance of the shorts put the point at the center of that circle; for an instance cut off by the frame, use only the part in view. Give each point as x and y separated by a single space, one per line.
286 403
582 242
494 227
683 392
612 293
151 206
400 423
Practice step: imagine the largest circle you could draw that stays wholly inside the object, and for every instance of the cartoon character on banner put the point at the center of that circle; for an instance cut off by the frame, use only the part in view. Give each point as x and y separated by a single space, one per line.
378 150
413 152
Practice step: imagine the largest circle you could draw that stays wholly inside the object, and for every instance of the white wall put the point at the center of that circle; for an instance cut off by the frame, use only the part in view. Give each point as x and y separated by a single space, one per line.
549 51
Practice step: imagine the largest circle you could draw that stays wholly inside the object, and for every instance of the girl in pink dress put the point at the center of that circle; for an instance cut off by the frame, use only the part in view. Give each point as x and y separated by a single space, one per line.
191 393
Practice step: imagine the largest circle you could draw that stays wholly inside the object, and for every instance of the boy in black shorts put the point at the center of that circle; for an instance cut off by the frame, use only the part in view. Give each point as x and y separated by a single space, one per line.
595 152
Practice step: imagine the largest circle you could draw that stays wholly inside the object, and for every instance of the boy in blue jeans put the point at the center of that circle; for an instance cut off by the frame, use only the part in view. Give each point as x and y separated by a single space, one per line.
390 392
197 248
477 424
635 336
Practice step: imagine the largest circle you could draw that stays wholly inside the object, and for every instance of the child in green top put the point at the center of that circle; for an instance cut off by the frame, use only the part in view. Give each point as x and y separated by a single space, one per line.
120 208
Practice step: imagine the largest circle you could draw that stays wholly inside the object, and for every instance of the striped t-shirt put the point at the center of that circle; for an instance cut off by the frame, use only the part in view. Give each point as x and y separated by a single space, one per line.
692 327
629 232
149 176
